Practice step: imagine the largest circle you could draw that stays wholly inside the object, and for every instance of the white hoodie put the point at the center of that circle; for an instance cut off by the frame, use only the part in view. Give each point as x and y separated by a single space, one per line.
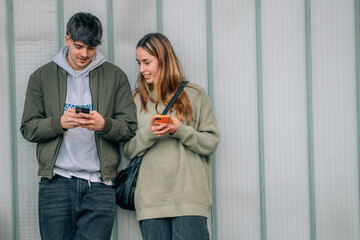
78 154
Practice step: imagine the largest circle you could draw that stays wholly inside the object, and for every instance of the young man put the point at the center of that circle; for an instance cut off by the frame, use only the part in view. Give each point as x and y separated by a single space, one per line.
78 153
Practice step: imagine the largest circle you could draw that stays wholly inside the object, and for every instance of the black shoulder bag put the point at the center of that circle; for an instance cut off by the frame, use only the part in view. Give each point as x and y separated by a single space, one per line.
125 180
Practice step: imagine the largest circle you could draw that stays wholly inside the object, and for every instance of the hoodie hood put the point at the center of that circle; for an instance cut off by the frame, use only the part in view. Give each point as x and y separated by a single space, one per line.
60 60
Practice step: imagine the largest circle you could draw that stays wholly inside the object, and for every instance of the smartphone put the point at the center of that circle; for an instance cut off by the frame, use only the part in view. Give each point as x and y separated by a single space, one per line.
162 118
82 110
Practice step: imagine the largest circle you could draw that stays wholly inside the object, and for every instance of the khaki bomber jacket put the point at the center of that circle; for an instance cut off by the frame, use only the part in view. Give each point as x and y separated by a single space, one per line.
44 105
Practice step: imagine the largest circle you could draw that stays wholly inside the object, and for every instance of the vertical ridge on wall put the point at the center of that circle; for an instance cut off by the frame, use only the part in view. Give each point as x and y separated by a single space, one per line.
260 120
159 16
209 59
357 64
11 54
60 18
110 23
110 27
310 121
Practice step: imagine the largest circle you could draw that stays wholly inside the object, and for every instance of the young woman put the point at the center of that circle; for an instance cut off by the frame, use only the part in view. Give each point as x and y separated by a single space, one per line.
173 192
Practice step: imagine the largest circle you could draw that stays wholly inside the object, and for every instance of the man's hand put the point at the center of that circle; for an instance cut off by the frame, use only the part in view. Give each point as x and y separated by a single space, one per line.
69 119
92 121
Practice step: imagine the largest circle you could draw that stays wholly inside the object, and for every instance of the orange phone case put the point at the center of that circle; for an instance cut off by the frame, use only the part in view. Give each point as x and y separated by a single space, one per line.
162 118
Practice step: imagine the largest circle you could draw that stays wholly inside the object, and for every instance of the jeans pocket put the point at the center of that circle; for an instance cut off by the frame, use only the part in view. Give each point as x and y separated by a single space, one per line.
44 180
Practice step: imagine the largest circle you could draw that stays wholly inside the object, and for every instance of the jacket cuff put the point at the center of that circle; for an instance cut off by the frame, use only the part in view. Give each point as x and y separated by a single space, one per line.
107 126
56 125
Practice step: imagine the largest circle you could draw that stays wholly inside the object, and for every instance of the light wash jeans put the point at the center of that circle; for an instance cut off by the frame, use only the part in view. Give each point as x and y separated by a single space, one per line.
184 228
75 209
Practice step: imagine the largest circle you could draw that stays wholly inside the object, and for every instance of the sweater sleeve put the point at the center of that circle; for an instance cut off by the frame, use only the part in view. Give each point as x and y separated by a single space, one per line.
206 137
35 126
143 139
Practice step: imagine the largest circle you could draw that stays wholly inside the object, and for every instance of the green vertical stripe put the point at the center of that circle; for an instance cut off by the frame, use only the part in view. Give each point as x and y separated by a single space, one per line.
211 95
357 65
12 89
111 58
110 25
60 22
310 121
260 120
159 16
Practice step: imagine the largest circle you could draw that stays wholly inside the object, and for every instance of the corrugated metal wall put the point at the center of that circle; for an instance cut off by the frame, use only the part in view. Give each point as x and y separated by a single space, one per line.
284 78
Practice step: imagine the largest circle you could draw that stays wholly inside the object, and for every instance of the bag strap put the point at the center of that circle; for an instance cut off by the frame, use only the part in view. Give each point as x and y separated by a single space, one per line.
173 99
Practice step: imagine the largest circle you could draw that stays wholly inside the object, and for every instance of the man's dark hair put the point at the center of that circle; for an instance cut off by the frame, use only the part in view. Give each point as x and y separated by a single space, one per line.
86 28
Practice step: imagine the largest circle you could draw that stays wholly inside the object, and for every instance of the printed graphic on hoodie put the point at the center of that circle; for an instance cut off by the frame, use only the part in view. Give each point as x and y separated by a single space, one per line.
72 106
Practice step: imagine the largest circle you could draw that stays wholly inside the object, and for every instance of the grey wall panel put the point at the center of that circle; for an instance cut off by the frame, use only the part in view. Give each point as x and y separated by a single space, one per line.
132 20
184 23
6 203
126 226
235 103
235 57
285 128
96 7
334 100
35 44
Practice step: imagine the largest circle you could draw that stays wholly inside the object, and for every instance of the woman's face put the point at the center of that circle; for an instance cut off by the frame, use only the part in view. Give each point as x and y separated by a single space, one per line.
148 65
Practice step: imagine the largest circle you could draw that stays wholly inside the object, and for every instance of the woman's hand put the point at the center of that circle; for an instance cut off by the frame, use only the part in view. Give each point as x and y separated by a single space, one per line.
174 125
159 129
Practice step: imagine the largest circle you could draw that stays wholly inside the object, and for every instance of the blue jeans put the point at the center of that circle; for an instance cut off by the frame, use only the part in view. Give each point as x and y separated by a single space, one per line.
184 228
73 208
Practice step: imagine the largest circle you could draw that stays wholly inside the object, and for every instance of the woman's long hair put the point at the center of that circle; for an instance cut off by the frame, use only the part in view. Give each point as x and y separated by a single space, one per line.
168 79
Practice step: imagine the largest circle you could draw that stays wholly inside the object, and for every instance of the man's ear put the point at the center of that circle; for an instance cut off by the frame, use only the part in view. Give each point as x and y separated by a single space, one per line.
67 40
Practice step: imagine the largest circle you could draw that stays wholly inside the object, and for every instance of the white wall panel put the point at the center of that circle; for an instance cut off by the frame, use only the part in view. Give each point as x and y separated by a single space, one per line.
184 23
334 106
132 20
6 203
235 94
235 103
96 7
285 128
35 44
127 227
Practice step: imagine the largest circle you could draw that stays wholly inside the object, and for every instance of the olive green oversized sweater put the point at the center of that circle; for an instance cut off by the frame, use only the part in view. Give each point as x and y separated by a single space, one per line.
175 174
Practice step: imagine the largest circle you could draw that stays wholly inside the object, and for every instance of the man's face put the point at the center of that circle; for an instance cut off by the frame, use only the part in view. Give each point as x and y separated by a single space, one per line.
79 55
